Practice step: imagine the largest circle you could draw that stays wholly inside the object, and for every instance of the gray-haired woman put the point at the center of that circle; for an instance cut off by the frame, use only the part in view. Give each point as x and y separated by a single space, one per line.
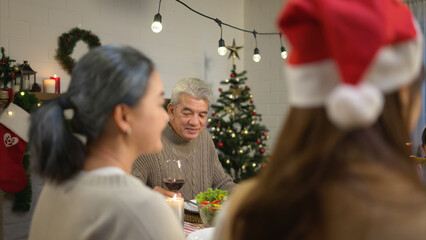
116 97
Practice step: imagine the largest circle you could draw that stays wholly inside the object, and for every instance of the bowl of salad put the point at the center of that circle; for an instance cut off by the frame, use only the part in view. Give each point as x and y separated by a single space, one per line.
209 203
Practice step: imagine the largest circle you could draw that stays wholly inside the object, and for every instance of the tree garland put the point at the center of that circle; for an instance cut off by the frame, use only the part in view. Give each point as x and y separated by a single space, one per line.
66 45
7 72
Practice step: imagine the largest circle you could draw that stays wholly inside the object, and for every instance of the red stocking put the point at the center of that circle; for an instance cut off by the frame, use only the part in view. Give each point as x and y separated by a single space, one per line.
14 123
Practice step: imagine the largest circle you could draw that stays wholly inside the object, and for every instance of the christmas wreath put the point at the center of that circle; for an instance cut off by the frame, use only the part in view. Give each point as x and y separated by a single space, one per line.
66 45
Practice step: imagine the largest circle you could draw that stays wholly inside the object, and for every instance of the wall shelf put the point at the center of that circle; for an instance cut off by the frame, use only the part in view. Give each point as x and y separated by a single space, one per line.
45 96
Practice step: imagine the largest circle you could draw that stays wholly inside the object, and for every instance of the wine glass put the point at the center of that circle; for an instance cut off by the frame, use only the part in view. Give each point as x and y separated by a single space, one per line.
174 174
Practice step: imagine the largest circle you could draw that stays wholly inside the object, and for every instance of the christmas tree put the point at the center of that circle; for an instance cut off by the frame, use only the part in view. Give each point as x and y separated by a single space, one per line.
6 70
234 126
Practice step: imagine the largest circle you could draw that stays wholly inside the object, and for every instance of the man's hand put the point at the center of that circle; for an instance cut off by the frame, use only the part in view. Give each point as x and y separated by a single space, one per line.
166 193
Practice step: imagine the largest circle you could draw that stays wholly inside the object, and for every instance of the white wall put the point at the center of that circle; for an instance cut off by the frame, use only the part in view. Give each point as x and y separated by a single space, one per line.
187 46
266 77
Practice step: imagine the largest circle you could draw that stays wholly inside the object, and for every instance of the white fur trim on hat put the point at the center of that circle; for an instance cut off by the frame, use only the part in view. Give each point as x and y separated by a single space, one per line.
354 106
312 84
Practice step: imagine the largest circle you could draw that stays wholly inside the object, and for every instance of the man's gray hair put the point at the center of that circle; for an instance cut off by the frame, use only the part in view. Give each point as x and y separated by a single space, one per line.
194 87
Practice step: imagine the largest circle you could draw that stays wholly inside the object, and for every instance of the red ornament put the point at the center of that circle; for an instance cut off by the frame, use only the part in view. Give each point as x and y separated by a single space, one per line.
263 165
208 126
232 75
258 141
13 75
262 150
247 88
218 124
220 144
68 40
213 114
251 101
4 61
220 89
264 134
71 64
254 113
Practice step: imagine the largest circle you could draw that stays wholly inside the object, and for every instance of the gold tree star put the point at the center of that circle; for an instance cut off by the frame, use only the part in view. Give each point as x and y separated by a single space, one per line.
233 51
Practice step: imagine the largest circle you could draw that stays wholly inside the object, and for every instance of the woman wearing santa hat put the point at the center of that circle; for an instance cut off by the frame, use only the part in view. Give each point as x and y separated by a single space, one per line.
341 169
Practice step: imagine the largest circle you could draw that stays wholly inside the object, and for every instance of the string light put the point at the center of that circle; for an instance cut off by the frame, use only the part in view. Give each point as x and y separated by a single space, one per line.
157 25
222 49
283 50
256 55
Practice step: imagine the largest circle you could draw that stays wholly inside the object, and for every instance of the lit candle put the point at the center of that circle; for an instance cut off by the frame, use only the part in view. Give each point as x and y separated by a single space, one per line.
58 83
177 206
49 85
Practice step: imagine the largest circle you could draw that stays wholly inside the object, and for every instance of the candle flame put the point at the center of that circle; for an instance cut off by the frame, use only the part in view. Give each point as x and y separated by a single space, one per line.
174 197
54 76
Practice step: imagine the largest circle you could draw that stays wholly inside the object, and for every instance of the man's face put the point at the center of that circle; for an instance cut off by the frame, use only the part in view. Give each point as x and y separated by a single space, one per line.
189 117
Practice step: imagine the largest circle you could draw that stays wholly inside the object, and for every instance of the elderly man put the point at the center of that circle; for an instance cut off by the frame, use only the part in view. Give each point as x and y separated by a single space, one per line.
186 138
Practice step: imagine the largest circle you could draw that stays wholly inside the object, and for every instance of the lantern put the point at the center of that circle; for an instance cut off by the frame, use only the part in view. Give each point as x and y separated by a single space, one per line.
25 73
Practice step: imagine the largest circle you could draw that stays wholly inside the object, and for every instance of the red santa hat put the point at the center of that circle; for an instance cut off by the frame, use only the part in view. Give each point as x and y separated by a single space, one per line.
346 54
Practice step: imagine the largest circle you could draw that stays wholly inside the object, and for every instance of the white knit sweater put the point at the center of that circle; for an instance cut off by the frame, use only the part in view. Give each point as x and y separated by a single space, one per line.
93 206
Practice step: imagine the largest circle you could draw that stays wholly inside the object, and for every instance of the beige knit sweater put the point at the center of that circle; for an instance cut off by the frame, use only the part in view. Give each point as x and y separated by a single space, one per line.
203 167
103 207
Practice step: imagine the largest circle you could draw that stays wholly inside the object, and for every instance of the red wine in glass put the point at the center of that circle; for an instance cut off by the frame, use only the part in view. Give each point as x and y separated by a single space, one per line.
174 174
174 184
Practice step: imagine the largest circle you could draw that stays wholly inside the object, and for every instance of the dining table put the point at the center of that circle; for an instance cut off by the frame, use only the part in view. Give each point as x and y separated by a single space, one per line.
189 227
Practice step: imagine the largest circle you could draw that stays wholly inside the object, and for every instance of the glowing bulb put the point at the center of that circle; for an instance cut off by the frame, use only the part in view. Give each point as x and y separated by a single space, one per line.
10 113
228 162
254 165
256 55
283 53
38 104
156 25
22 93
222 49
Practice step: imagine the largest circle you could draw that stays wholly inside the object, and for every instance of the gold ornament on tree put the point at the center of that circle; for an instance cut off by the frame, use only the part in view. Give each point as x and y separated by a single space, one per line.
236 91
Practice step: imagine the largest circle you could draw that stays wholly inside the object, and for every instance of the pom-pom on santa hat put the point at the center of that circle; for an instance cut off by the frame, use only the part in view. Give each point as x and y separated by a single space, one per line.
346 54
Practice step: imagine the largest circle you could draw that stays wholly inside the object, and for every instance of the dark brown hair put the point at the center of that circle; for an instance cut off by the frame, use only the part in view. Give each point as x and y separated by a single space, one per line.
311 152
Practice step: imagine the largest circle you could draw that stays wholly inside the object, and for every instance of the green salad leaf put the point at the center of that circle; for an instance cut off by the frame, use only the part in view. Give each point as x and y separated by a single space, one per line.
211 195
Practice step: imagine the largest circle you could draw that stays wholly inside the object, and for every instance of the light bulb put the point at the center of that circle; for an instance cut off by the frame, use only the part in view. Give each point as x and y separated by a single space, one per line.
156 25
222 49
256 55
284 53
